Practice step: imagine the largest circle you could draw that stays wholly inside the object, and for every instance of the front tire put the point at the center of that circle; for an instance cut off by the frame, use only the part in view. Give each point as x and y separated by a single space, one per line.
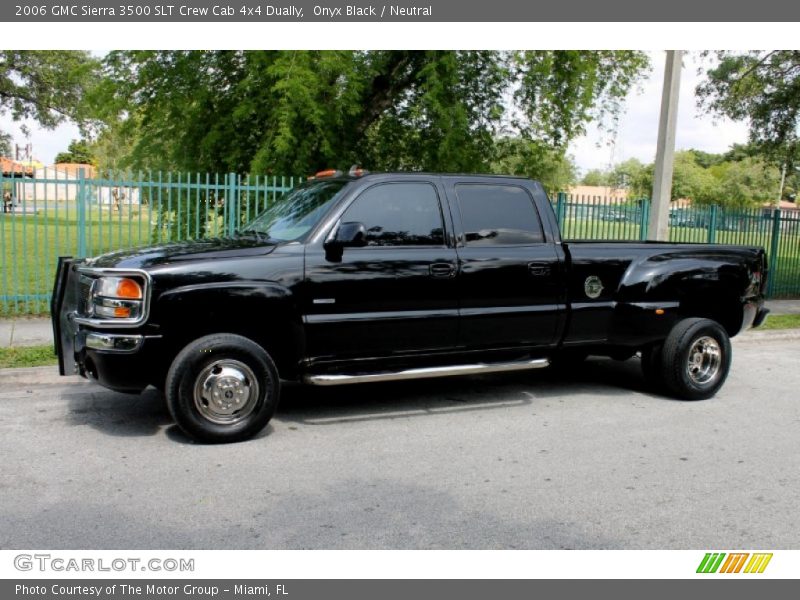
696 359
222 388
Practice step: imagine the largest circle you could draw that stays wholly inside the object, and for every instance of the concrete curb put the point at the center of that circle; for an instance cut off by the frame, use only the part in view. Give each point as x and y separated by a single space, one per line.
772 335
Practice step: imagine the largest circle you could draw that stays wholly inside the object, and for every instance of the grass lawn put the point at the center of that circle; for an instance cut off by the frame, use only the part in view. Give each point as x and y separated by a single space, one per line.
781 322
30 244
27 356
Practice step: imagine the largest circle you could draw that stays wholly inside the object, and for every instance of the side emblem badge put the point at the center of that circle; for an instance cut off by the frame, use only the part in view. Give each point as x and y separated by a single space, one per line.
593 287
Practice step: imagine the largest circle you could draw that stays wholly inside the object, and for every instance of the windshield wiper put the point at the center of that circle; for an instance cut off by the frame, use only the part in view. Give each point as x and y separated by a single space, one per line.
260 237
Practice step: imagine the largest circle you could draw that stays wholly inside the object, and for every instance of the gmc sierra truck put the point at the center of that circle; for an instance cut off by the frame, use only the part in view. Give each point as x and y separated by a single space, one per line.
391 276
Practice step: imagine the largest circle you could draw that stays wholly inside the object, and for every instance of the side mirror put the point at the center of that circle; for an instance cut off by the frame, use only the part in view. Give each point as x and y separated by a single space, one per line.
350 234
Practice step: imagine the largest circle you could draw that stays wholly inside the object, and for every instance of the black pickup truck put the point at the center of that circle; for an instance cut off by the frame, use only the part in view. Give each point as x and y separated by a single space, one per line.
382 277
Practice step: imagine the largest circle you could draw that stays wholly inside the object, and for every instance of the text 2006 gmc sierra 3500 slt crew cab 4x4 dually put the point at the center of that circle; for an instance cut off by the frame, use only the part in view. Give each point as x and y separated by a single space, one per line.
390 276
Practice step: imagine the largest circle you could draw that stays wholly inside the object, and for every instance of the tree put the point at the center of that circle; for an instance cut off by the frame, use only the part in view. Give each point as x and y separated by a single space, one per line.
597 177
78 151
293 112
633 176
517 156
709 159
5 144
44 85
746 182
762 88
690 180
630 175
704 178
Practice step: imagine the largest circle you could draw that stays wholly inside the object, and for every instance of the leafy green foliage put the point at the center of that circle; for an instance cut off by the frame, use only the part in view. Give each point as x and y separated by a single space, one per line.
295 112
690 180
597 177
5 143
630 175
561 91
734 179
745 182
78 151
762 88
517 156
44 85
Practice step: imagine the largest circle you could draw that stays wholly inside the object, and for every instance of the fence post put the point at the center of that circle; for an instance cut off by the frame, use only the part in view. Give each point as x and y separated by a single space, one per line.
644 219
773 251
559 207
232 193
712 225
81 197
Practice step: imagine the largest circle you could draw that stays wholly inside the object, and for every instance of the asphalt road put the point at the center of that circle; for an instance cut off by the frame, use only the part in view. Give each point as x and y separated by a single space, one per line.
528 460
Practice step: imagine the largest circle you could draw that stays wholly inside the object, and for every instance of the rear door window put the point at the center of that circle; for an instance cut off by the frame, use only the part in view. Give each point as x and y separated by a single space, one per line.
499 215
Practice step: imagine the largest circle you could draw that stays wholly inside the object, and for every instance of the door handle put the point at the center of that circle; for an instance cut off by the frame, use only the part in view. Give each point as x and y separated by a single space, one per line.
538 269
442 270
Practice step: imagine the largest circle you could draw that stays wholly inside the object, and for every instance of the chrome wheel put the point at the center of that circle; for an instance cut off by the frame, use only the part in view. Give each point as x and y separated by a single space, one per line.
705 359
226 391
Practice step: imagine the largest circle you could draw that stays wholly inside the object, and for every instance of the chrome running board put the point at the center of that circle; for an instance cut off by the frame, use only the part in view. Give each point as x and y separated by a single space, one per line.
449 371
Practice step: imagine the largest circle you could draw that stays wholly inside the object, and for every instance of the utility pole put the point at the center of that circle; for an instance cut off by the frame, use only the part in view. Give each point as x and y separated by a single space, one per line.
658 228
780 190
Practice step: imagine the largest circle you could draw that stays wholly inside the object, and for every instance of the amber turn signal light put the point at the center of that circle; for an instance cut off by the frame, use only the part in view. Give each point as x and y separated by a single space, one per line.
128 288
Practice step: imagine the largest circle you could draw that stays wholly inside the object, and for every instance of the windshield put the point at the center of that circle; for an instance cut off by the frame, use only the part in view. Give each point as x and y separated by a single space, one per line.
293 216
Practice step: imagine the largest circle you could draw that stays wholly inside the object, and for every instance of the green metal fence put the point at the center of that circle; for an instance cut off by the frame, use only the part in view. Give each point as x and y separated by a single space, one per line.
601 218
56 214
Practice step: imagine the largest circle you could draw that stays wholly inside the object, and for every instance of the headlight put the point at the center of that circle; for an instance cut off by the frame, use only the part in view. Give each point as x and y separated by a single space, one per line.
116 298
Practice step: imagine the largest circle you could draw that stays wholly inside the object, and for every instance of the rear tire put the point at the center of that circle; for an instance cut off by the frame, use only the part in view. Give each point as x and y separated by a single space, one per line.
222 388
696 359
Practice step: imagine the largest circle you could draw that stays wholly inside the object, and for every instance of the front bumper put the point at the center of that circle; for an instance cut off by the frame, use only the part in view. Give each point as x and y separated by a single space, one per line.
114 342
120 368
125 361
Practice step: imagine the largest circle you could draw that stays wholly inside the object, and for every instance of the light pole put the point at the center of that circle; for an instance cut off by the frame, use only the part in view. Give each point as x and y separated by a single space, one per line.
658 228
780 190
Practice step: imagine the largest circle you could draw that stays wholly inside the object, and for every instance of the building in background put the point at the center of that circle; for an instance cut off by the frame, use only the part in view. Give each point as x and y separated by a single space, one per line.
62 183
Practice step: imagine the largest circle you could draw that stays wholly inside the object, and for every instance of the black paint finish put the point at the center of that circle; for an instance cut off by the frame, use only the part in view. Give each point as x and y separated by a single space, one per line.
373 307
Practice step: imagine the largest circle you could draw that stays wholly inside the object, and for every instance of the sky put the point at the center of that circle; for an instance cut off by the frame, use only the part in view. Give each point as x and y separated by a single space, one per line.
636 136
46 142
638 128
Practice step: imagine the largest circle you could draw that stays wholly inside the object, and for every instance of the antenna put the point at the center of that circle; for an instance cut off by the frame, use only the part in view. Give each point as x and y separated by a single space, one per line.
23 153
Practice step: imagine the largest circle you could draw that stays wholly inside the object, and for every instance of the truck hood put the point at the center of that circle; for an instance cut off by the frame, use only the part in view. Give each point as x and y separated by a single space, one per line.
177 252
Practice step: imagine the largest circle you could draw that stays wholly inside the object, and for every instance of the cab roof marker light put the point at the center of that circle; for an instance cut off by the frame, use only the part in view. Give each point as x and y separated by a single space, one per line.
327 173
356 171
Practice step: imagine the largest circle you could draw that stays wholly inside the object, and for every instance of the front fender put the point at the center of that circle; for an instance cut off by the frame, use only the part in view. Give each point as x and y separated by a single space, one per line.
265 312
